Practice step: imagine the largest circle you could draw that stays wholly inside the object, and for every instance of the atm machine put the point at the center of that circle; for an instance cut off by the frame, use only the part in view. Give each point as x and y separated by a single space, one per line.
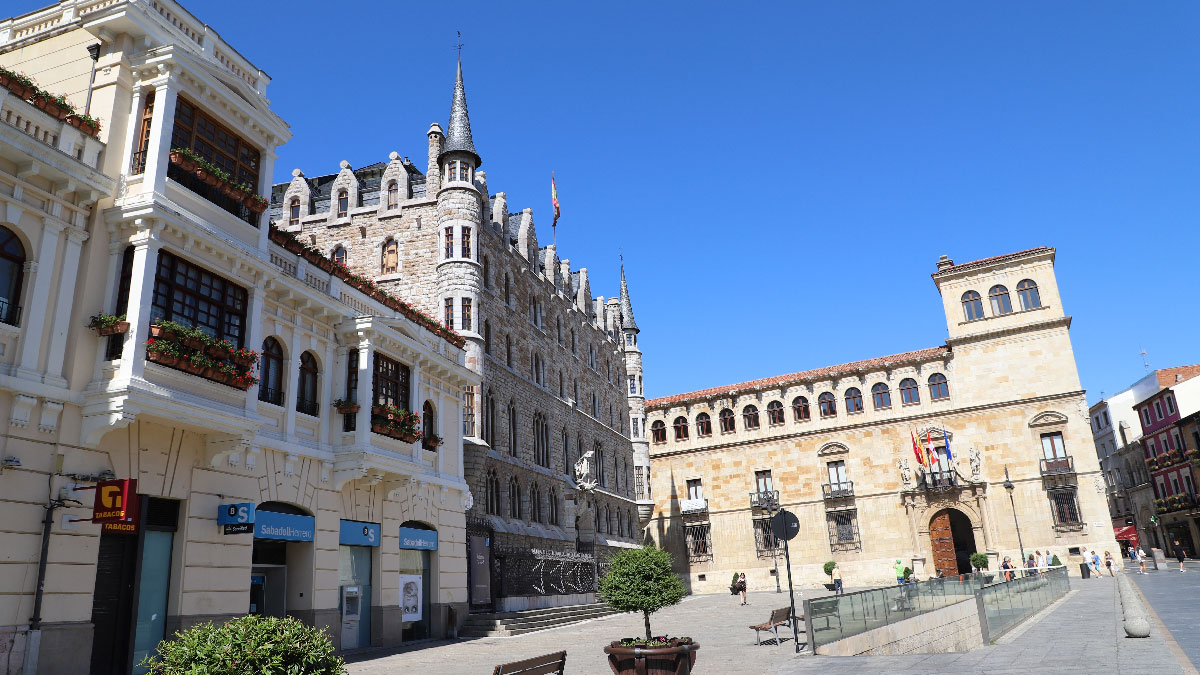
351 616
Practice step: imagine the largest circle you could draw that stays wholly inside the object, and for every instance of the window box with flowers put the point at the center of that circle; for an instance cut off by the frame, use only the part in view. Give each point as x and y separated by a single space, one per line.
432 442
345 407
215 176
1171 458
1152 463
108 324
1193 455
164 352
18 83
54 105
193 351
85 123
396 423
246 358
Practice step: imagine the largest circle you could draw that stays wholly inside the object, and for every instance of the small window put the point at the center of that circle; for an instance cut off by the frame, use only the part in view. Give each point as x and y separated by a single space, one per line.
1170 404
881 396
306 391
449 312
1001 304
703 425
514 499
466 242
343 203
1052 446
774 413
800 409
909 394
390 262
339 255
658 432
508 359
393 195
1027 293
449 239
827 405
294 212
493 493
750 417
695 488
513 426
1158 413
487 273
466 314
428 426
681 428
854 402
726 419
487 337
972 306
763 481
939 389
1146 416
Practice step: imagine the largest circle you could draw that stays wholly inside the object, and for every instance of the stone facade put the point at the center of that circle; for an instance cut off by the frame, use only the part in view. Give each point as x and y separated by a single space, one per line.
1003 387
552 358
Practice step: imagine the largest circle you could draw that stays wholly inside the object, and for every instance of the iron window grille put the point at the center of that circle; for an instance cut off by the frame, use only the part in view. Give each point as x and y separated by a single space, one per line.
699 542
843 530
765 542
1066 509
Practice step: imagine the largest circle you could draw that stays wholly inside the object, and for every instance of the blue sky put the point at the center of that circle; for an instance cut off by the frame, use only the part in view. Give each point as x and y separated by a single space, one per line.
782 177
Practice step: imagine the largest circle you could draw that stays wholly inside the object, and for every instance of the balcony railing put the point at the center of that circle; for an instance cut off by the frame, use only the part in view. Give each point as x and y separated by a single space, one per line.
764 500
270 395
687 506
1058 466
212 194
308 407
10 313
838 490
940 480
137 164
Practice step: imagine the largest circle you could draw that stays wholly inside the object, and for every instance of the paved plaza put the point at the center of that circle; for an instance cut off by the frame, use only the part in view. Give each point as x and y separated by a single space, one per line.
1080 634
1173 597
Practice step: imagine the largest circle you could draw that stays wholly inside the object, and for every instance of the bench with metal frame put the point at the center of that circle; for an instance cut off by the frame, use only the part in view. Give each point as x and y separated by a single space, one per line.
546 664
779 617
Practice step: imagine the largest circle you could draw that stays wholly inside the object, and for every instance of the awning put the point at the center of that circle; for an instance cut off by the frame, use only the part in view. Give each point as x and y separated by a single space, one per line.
1128 532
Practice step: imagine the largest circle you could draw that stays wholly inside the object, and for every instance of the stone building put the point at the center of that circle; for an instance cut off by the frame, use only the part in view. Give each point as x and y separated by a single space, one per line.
837 446
330 511
561 371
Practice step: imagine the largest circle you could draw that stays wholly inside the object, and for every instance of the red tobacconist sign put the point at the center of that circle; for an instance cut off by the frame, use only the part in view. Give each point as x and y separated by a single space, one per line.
116 505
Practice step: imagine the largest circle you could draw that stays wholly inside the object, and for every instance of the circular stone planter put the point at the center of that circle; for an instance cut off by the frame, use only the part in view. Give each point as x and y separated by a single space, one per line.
675 659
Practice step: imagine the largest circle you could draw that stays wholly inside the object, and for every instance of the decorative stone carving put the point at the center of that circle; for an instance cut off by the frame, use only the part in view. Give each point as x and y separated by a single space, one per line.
49 418
976 467
905 473
583 472
22 407
467 500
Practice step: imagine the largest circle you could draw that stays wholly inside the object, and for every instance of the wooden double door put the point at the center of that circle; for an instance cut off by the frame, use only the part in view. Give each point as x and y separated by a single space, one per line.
952 541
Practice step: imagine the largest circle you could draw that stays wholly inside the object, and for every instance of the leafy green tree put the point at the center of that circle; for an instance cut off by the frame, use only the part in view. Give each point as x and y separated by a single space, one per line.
979 561
829 568
248 644
641 580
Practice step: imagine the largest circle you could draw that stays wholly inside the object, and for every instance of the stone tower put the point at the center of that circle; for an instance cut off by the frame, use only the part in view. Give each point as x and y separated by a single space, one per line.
452 166
636 398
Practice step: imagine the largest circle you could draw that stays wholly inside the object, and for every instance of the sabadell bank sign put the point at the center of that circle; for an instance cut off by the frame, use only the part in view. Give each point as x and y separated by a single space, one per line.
425 540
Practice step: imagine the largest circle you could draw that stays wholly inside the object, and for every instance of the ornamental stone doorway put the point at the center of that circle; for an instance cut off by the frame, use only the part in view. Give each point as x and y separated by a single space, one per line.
952 541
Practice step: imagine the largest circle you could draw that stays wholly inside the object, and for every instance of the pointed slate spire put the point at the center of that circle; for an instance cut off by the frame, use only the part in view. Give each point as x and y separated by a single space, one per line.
458 133
627 322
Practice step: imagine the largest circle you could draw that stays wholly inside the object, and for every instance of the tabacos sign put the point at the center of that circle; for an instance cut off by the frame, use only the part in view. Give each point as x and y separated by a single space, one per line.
116 505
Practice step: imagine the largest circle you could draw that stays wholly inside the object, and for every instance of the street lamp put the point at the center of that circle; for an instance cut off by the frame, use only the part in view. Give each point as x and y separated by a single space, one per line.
769 501
1008 485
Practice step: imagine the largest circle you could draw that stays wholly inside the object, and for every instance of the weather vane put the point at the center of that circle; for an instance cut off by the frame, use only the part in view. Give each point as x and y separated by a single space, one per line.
459 46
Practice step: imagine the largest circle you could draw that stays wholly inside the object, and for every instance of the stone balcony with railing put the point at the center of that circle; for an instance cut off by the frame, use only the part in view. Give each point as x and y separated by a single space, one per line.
63 152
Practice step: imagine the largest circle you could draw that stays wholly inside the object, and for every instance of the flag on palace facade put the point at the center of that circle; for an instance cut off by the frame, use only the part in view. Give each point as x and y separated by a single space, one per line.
554 199
946 440
917 450
929 447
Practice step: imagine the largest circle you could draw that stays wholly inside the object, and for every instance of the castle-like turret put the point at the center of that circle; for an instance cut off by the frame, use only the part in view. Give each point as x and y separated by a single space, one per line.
636 398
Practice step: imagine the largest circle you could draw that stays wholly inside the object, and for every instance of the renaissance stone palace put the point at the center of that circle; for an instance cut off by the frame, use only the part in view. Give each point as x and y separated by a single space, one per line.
999 405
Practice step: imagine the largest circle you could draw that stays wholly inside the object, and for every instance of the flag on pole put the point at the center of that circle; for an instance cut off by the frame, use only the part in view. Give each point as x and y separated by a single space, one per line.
929 447
946 440
916 450
554 200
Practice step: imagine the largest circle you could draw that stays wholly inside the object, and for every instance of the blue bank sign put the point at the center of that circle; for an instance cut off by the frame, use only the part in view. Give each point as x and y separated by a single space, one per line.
358 533
425 540
285 526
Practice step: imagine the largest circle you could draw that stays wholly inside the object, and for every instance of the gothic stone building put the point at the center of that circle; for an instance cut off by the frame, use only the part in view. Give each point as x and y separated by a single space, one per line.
560 368
1001 398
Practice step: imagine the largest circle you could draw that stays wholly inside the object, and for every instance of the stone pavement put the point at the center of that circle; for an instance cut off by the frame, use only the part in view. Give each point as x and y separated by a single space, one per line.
1174 598
1080 634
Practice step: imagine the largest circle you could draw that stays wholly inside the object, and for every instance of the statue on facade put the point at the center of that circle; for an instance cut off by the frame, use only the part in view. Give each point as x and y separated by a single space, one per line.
905 472
583 472
976 468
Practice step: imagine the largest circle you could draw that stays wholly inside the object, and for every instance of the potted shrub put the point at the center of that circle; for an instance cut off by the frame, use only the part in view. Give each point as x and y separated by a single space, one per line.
345 407
733 584
247 644
108 324
979 561
828 569
641 580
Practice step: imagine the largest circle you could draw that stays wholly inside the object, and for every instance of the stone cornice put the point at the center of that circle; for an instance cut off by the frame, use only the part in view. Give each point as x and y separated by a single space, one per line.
1058 322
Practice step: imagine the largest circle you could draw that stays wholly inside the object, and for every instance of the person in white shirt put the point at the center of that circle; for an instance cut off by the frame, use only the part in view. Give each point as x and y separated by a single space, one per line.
1040 560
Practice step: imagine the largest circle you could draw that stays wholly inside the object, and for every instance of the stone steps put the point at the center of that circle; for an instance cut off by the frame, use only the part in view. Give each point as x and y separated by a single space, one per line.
530 620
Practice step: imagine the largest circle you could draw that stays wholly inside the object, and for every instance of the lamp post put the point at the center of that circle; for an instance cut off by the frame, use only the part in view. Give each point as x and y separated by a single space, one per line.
1008 485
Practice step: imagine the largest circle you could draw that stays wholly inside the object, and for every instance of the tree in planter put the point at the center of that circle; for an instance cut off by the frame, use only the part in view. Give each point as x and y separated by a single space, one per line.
829 568
979 561
641 580
248 644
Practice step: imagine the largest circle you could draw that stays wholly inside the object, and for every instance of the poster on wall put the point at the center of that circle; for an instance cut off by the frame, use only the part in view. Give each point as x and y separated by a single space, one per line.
410 597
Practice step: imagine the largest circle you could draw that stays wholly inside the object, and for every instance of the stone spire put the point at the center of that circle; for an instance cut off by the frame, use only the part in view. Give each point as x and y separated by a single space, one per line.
458 133
627 322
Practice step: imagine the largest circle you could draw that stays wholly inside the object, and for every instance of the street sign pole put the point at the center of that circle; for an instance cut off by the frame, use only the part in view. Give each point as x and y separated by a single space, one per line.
787 560
785 525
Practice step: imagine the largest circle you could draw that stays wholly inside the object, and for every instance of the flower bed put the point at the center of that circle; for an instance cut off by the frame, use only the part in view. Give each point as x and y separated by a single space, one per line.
194 351
289 242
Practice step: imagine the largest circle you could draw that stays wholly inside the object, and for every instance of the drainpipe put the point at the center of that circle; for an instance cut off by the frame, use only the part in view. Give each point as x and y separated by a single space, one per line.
33 642
94 52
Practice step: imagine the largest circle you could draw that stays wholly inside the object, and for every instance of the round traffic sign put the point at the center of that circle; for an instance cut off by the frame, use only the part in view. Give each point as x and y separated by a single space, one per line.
785 525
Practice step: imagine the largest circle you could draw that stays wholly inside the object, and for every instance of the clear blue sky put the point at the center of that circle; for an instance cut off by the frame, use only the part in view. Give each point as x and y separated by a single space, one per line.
783 177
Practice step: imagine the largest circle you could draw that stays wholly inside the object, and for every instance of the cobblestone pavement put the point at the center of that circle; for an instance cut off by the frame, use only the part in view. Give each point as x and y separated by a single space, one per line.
1173 597
1080 634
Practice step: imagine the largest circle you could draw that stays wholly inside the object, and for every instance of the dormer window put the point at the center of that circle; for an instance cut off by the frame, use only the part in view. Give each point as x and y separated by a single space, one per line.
393 195
294 212
458 170
343 203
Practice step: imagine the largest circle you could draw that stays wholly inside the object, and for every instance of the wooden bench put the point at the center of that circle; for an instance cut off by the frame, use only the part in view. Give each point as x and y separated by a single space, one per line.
538 665
779 617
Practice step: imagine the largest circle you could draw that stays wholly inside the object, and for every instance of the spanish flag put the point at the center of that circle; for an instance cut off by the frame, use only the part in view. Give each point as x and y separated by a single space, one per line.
554 200
929 447
917 450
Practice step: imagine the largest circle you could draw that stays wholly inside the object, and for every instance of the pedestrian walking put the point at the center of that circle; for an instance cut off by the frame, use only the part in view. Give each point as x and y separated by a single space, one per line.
1094 563
899 567
837 580
1030 566
741 587
1108 562
1039 559
1007 567
1141 558
1180 554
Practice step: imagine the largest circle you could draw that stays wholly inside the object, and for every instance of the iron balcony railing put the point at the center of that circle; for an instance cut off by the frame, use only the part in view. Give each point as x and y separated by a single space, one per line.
308 407
838 490
940 480
1058 466
688 506
270 395
768 499
10 313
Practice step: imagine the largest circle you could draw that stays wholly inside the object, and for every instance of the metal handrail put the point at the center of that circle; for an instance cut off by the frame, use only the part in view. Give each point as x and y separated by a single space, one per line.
838 490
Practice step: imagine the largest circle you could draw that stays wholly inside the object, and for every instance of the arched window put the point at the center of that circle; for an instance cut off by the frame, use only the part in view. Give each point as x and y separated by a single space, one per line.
12 273
393 195
294 212
536 371
606 521
774 413
552 504
558 322
306 389
566 447
800 409
535 503
881 396
507 289
508 351
343 203
1001 304
514 498
489 418
972 306
339 255
541 440
1027 292
727 422
853 400
827 405
487 273
681 428
493 492
429 437
487 337
750 417
601 466
271 385
938 387
703 425
658 432
390 262
512 429
909 394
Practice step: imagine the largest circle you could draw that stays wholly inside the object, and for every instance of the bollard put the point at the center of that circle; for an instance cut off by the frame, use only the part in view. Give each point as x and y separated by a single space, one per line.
1137 624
